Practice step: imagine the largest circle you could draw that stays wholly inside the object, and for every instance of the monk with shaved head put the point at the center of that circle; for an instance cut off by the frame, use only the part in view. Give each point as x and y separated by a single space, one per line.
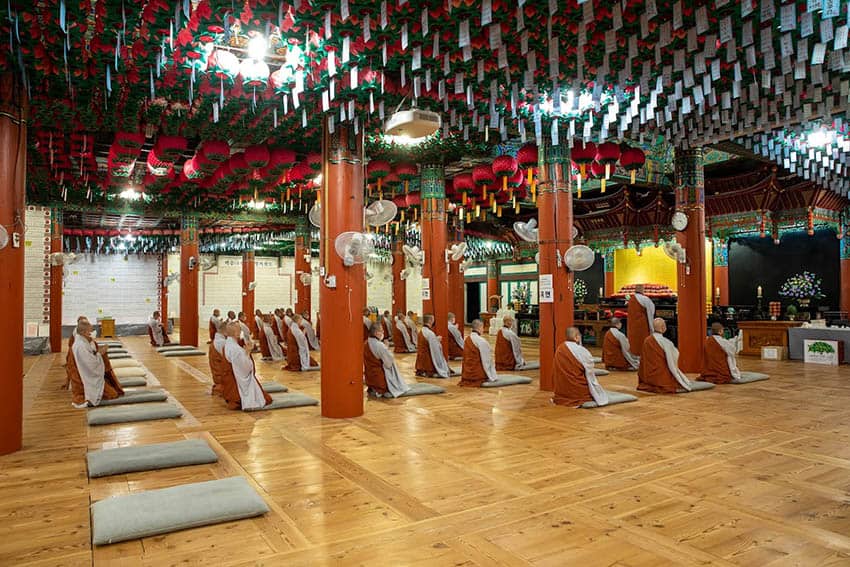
659 363
574 374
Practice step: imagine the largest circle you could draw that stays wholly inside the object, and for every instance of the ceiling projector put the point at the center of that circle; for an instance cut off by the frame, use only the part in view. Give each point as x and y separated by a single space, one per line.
412 123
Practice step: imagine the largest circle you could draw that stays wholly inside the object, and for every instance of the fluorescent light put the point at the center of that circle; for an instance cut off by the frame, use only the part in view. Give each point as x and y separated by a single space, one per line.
257 47
130 194
405 140
820 138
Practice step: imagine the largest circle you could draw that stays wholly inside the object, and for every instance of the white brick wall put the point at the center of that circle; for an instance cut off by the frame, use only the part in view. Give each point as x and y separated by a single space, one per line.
275 286
414 291
36 266
98 285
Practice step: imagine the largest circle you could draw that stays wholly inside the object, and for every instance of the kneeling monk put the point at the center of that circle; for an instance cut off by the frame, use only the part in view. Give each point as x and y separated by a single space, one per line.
455 339
90 377
575 378
508 348
719 365
430 360
157 332
240 388
218 366
478 366
379 368
298 349
659 364
615 349
402 342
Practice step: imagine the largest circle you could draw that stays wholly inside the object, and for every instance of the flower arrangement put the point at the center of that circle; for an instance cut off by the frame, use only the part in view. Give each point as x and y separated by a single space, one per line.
804 285
579 290
520 294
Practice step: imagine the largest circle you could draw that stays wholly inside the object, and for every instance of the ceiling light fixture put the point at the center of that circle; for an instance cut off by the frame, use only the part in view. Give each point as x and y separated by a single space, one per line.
257 47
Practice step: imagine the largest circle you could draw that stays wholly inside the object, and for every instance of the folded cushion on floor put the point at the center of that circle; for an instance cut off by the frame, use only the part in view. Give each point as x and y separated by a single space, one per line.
133 382
274 387
125 363
149 457
136 397
193 352
507 380
132 412
613 398
601 372
696 386
747 377
167 348
115 350
166 510
533 365
421 389
597 359
129 371
121 356
289 400
110 343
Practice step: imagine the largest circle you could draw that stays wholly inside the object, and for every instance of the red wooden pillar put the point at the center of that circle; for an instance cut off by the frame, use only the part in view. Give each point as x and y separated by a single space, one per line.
720 272
190 259
343 290
303 243
554 203
56 277
845 273
457 289
690 199
248 275
163 292
399 285
13 159
435 296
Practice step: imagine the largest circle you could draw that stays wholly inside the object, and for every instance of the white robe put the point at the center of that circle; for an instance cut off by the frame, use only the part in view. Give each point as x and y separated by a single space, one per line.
597 392
367 323
647 304
246 332
279 324
243 369
435 347
217 322
156 331
395 383
310 333
91 367
303 347
487 360
389 323
516 347
219 342
454 331
671 353
271 340
409 345
729 347
633 360
413 330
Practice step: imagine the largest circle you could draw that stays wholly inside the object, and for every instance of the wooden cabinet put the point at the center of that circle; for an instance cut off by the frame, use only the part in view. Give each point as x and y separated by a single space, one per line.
764 333
107 328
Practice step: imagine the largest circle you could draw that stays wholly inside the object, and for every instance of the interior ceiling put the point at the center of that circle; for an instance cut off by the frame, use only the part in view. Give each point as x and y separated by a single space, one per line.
99 72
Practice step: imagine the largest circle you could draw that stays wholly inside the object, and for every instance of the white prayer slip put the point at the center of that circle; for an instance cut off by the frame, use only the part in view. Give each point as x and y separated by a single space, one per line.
395 383
456 336
303 347
647 304
409 345
729 347
271 340
435 347
597 392
218 343
516 347
413 330
487 360
156 331
671 353
91 367
633 360
243 369
310 333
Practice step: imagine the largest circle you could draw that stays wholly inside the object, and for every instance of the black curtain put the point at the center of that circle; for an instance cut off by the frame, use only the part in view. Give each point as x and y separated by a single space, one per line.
594 277
758 261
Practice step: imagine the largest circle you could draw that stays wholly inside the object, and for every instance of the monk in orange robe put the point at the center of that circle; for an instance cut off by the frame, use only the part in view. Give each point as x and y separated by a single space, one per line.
380 372
575 381
616 353
659 372
478 366
430 358
455 339
402 341
261 335
217 363
719 365
90 379
215 324
641 314
367 323
298 349
241 388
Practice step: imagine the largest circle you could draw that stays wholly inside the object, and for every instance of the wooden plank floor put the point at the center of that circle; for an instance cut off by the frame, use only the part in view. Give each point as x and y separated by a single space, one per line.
742 475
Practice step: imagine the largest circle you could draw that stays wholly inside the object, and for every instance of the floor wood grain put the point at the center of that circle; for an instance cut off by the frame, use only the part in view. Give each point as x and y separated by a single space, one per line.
756 474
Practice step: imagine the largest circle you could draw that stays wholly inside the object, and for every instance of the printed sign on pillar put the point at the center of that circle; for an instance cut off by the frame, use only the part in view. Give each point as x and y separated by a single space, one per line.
426 288
546 288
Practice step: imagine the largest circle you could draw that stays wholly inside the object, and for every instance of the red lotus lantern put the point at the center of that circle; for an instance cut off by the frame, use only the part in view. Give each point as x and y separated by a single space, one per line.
632 159
463 184
377 170
583 154
215 150
607 154
598 171
257 156
314 160
483 176
281 159
406 172
527 158
505 167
